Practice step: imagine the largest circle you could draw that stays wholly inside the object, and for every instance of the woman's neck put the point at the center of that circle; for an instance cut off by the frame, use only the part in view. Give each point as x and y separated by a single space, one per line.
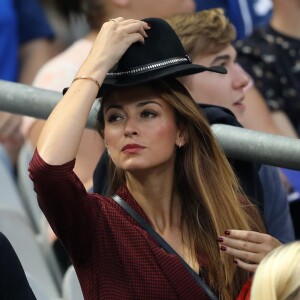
155 194
285 18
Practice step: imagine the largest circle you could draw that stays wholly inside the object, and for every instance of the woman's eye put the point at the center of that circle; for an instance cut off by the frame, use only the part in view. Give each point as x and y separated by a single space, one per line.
148 114
114 118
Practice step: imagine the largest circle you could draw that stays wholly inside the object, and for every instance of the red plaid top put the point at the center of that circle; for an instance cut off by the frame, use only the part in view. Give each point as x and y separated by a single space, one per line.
113 256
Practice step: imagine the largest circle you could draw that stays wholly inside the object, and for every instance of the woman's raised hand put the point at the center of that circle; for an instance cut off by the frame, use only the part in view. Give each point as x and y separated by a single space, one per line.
248 248
114 38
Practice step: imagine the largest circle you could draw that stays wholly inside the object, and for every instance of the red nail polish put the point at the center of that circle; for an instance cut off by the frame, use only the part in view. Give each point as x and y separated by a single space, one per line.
149 25
223 248
220 240
227 232
235 261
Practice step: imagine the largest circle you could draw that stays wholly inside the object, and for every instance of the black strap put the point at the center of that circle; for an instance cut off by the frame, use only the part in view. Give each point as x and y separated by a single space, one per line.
163 244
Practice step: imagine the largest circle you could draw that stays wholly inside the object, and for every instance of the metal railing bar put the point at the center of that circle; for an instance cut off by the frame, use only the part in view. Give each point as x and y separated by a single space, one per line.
237 142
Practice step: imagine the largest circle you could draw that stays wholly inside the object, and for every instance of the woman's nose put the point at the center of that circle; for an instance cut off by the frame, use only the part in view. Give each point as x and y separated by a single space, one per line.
130 133
130 128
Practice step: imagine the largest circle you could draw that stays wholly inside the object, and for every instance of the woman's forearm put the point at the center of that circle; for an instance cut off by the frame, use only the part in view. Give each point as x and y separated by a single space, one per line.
60 138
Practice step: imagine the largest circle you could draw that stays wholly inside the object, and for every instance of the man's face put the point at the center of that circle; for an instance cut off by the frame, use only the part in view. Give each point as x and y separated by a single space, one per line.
162 8
218 89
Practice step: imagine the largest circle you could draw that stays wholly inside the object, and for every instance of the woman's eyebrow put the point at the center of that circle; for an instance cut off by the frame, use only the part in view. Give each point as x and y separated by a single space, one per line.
139 104
117 106
145 102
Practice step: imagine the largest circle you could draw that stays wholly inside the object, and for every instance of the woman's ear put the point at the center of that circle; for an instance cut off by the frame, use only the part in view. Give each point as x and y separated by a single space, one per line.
182 137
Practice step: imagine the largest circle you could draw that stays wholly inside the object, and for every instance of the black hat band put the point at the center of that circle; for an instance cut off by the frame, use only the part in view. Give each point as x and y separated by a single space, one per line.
156 65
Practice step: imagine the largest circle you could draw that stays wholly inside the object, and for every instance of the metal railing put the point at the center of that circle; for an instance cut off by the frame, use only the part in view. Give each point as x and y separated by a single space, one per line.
237 142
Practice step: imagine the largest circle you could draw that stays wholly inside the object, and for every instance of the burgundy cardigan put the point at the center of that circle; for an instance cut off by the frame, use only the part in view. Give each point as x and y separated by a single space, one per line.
113 256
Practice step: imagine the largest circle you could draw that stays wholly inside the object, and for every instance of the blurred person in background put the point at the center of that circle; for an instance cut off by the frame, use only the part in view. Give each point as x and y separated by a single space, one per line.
26 43
13 282
271 55
244 14
67 20
277 276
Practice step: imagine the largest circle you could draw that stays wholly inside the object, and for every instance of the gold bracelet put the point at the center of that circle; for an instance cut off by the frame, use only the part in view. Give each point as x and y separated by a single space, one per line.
88 78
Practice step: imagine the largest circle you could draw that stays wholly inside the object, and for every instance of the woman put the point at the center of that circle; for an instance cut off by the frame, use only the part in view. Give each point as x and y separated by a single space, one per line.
161 149
59 72
277 276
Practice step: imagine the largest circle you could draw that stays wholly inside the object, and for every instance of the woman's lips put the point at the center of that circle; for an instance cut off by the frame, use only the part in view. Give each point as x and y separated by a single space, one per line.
132 148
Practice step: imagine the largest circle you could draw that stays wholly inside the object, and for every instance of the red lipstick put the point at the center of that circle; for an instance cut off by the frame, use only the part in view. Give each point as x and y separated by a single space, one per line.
132 148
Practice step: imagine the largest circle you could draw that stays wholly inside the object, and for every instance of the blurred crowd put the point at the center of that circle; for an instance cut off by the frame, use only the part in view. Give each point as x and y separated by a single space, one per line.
43 43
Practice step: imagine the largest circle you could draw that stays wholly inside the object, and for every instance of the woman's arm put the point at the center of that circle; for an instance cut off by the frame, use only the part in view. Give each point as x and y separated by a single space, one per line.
60 138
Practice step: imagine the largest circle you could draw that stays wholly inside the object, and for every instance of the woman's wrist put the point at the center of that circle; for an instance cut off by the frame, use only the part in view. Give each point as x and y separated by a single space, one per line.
88 78
94 69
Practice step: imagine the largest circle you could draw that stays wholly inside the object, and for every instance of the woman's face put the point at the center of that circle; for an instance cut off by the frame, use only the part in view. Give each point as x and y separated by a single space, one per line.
218 89
140 130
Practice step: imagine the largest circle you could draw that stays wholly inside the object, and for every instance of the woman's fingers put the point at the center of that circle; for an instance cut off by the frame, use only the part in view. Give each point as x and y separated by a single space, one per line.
251 241
247 247
117 20
129 26
114 38
246 235
245 255
133 26
246 266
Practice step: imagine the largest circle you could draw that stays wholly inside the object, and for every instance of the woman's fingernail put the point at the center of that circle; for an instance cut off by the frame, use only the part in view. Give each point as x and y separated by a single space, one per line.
235 261
149 25
223 248
227 232
220 240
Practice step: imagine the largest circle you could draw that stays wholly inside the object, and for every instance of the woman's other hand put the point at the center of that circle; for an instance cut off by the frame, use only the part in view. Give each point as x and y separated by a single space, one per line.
247 248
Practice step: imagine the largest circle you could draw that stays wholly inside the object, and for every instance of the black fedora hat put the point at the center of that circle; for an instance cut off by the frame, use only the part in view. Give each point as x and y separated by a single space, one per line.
161 56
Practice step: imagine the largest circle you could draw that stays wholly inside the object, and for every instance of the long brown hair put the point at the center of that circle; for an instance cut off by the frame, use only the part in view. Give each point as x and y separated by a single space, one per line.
202 172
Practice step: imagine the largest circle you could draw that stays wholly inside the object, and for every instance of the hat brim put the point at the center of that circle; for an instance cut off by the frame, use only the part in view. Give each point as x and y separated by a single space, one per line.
155 74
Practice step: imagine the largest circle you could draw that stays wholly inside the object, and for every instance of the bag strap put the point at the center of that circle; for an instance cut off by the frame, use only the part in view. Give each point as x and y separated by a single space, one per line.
163 244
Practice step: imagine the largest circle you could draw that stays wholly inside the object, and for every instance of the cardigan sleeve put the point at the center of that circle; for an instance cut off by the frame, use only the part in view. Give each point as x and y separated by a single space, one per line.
69 209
